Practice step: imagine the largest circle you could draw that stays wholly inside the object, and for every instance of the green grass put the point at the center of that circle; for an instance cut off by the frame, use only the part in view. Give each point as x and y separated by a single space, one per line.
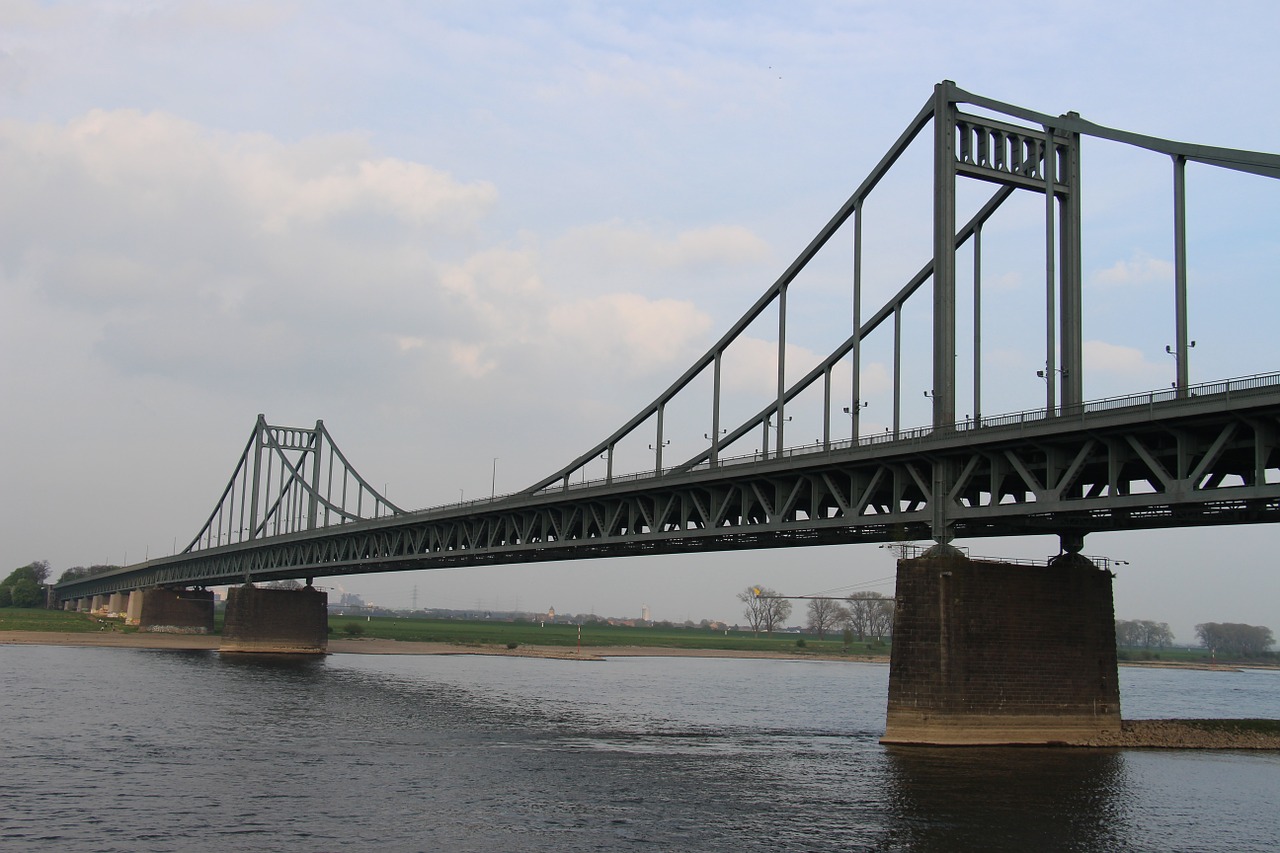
483 632
32 619
532 633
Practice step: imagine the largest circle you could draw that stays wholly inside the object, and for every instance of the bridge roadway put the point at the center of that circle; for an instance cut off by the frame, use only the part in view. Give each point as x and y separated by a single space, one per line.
1208 456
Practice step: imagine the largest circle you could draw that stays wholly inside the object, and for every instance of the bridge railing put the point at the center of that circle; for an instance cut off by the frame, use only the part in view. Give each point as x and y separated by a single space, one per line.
916 435
912 550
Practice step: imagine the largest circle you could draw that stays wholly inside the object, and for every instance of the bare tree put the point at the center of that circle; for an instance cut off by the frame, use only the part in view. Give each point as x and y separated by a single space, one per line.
765 610
825 614
870 615
881 622
288 583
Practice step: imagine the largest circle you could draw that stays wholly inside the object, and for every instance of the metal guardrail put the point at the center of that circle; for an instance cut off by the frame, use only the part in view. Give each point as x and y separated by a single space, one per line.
916 435
912 550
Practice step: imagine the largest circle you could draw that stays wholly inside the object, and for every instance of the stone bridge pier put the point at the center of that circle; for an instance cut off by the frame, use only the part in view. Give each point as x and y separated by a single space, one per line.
276 621
171 611
995 653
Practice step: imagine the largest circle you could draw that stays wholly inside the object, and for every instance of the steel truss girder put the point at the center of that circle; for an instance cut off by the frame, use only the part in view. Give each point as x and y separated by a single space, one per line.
1182 463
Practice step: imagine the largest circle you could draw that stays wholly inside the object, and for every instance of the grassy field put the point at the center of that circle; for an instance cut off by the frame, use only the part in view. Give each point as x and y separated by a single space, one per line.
29 619
1170 655
478 632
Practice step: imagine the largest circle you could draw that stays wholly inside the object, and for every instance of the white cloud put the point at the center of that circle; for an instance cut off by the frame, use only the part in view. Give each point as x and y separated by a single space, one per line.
636 334
1117 359
613 250
1140 269
205 255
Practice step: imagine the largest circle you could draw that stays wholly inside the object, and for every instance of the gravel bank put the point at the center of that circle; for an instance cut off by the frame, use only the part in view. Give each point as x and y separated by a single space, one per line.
1194 734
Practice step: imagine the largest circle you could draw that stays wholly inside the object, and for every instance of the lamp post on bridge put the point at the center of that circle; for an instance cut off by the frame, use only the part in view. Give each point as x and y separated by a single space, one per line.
853 412
1180 380
768 422
1049 375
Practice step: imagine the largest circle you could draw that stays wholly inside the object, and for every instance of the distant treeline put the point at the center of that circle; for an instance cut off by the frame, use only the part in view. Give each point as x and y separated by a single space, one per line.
1235 640
76 573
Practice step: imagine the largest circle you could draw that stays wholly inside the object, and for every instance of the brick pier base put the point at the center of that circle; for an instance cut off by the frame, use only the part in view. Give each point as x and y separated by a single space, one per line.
276 621
174 611
988 653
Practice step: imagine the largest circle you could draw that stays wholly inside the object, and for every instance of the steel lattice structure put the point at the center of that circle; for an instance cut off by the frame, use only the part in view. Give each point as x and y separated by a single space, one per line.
1190 455
288 479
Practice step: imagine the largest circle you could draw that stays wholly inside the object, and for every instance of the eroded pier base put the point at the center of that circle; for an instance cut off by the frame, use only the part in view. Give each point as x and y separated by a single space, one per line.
174 611
994 653
276 621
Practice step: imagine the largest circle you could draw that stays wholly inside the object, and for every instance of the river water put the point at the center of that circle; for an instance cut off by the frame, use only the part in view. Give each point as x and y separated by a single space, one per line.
145 750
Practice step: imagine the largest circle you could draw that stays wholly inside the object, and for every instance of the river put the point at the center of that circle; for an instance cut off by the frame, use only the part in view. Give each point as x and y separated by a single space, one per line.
149 750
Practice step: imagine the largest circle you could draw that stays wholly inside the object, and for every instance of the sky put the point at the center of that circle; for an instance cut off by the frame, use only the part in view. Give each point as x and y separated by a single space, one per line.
475 238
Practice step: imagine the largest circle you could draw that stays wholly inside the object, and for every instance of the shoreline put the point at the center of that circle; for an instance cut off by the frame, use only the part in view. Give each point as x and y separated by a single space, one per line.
1134 734
374 646
377 646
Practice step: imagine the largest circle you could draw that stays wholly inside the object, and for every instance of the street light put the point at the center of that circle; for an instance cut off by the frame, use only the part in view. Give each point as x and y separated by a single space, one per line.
493 483
768 422
1177 367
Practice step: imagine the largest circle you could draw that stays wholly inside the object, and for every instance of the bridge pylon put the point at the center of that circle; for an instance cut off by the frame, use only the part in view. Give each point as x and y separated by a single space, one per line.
287 480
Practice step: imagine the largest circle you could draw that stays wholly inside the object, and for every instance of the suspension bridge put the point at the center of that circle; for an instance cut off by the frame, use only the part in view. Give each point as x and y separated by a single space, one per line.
1186 455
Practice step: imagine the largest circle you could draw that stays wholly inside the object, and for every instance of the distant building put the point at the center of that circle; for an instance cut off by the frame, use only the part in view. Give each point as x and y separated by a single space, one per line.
644 613
551 615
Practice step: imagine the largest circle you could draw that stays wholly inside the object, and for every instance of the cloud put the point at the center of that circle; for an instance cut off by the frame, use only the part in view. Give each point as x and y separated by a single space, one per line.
616 244
205 257
638 334
1116 359
1141 269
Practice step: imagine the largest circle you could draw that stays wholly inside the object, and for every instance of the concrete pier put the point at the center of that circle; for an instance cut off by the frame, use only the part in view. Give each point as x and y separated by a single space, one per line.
276 621
133 612
116 604
988 653
176 611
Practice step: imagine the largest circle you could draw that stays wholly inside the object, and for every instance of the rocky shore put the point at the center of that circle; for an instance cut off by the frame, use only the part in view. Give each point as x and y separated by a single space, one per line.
1193 734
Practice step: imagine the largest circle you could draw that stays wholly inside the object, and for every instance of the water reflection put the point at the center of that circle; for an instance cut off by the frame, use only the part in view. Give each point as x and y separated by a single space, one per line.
273 663
1006 799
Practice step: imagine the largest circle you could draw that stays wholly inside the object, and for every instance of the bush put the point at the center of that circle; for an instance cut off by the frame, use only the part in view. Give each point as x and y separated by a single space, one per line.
26 593
800 643
513 645
353 629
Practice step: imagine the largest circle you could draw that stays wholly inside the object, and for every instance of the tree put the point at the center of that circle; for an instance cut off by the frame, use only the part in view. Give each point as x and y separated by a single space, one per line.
825 614
1143 633
881 622
870 615
26 593
765 610
1234 639
75 573
288 583
24 586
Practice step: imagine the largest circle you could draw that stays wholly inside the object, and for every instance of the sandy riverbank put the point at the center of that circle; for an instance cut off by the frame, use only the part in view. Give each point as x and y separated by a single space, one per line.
369 646
1152 734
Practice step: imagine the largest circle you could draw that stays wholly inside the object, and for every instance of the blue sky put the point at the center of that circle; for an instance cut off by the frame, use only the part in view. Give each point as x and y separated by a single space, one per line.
466 231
